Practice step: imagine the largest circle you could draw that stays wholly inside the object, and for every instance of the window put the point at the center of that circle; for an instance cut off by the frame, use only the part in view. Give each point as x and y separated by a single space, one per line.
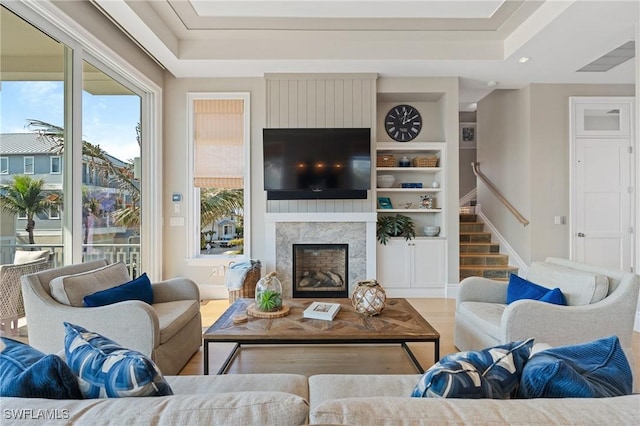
219 134
4 165
28 165
56 168
96 128
54 213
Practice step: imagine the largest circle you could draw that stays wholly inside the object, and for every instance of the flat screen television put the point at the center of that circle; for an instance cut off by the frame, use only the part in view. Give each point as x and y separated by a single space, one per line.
326 163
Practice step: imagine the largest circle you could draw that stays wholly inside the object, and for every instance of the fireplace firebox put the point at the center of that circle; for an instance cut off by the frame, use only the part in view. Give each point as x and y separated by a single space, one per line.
320 270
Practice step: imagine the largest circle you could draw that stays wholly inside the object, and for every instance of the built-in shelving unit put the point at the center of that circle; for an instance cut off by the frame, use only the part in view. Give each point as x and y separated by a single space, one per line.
417 267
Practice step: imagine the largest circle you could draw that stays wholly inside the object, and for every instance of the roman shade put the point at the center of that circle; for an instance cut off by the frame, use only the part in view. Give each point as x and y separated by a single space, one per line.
219 143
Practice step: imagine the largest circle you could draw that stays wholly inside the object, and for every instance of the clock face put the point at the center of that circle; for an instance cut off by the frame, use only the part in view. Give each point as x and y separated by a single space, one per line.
403 123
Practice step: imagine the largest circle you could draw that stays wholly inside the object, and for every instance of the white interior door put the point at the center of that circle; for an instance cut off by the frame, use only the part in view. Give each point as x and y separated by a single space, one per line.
602 214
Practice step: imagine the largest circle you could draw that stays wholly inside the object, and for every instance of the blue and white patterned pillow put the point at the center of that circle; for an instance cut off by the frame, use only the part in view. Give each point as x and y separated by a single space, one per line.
106 369
489 373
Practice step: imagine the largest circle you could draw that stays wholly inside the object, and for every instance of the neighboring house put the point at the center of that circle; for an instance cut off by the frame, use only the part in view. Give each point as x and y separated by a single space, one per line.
29 154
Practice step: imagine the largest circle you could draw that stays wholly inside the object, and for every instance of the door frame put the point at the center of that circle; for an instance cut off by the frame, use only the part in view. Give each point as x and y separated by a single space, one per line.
573 136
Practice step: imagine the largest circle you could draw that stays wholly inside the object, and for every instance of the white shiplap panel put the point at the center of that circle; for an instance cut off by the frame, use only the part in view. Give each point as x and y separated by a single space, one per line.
339 104
330 103
273 101
321 102
302 104
357 108
283 104
292 103
347 103
311 104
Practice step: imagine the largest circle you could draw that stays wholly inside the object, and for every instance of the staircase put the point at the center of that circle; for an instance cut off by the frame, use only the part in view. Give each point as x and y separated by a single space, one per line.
478 255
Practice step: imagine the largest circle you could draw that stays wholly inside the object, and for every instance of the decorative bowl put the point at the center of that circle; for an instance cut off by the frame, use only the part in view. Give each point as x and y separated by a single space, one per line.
386 181
431 231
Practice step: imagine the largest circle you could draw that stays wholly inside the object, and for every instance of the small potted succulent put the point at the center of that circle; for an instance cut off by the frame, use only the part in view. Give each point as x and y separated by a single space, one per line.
269 293
394 226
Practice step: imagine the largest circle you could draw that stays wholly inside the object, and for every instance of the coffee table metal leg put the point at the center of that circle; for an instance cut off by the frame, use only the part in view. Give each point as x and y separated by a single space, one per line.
227 361
206 357
413 357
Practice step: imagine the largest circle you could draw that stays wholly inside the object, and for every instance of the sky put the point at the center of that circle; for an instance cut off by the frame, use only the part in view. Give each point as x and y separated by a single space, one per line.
108 121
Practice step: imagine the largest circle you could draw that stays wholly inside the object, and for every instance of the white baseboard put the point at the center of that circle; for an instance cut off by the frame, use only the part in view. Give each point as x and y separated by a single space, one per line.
636 324
213 292
427 293
466 199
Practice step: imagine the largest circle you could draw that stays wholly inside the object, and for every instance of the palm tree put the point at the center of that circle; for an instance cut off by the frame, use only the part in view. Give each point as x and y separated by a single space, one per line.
98 159
25 196
217 203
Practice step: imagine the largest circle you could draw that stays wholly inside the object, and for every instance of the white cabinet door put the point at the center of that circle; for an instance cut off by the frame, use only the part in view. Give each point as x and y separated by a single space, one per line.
429 263
418 263
394 270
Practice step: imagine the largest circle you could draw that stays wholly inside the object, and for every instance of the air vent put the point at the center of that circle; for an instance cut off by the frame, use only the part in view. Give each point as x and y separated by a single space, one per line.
612 59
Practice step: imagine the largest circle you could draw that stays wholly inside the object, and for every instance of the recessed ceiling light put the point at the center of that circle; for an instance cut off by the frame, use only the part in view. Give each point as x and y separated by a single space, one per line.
524 60
492 83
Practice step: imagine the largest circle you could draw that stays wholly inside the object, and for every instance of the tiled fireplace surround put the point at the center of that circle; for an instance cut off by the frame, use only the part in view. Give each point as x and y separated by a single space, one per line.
355 229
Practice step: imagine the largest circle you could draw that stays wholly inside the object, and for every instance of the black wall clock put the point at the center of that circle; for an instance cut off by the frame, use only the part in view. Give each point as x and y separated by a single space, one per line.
403 123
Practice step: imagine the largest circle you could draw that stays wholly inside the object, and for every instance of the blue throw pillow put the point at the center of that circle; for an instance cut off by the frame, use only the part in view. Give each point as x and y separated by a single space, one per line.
106 369
595 369
26 372
490 373
138 289
519 289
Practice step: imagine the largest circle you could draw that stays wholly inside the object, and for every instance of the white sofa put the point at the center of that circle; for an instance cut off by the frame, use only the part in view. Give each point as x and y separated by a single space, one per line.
384 399
251 399
290 399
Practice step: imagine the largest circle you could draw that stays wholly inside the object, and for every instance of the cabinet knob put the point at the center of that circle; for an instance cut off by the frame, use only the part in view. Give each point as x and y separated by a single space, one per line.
580 234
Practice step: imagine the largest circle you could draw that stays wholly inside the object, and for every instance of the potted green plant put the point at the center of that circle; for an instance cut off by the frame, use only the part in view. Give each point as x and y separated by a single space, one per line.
394 226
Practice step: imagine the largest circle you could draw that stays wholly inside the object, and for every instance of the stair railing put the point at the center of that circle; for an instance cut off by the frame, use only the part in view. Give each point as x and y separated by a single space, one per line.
476 171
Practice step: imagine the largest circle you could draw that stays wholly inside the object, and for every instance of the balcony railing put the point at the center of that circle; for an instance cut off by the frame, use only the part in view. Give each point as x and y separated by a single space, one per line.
129 254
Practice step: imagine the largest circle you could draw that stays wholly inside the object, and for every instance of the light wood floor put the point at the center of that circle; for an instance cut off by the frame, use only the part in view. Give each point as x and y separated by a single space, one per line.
349 359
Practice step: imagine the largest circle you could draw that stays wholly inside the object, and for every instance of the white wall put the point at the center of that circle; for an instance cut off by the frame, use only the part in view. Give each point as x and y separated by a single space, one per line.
175 178
523 147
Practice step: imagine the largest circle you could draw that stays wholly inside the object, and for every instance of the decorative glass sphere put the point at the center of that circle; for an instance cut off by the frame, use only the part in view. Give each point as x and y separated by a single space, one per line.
368 297
269 293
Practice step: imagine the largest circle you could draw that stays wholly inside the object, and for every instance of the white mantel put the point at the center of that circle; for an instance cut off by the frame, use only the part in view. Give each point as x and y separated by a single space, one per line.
338 219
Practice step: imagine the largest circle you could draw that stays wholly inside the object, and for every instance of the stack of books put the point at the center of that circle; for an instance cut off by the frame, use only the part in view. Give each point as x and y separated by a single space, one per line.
322 311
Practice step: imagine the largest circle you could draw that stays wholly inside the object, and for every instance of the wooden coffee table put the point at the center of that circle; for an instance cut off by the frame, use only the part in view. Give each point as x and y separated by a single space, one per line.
398 323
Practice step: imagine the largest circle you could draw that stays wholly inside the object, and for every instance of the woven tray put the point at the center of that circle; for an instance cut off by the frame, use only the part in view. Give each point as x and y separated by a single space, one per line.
385 160
252 311
428 161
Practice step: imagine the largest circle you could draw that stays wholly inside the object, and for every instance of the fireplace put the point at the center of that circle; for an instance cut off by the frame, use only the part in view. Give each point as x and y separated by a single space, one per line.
320 270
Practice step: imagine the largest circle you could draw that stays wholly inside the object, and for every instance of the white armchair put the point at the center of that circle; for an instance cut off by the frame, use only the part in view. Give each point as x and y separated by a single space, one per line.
169 330
484 319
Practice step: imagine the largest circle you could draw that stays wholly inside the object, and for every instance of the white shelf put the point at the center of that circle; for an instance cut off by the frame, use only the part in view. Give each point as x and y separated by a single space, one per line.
409 210
426 189
409 146
410 169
